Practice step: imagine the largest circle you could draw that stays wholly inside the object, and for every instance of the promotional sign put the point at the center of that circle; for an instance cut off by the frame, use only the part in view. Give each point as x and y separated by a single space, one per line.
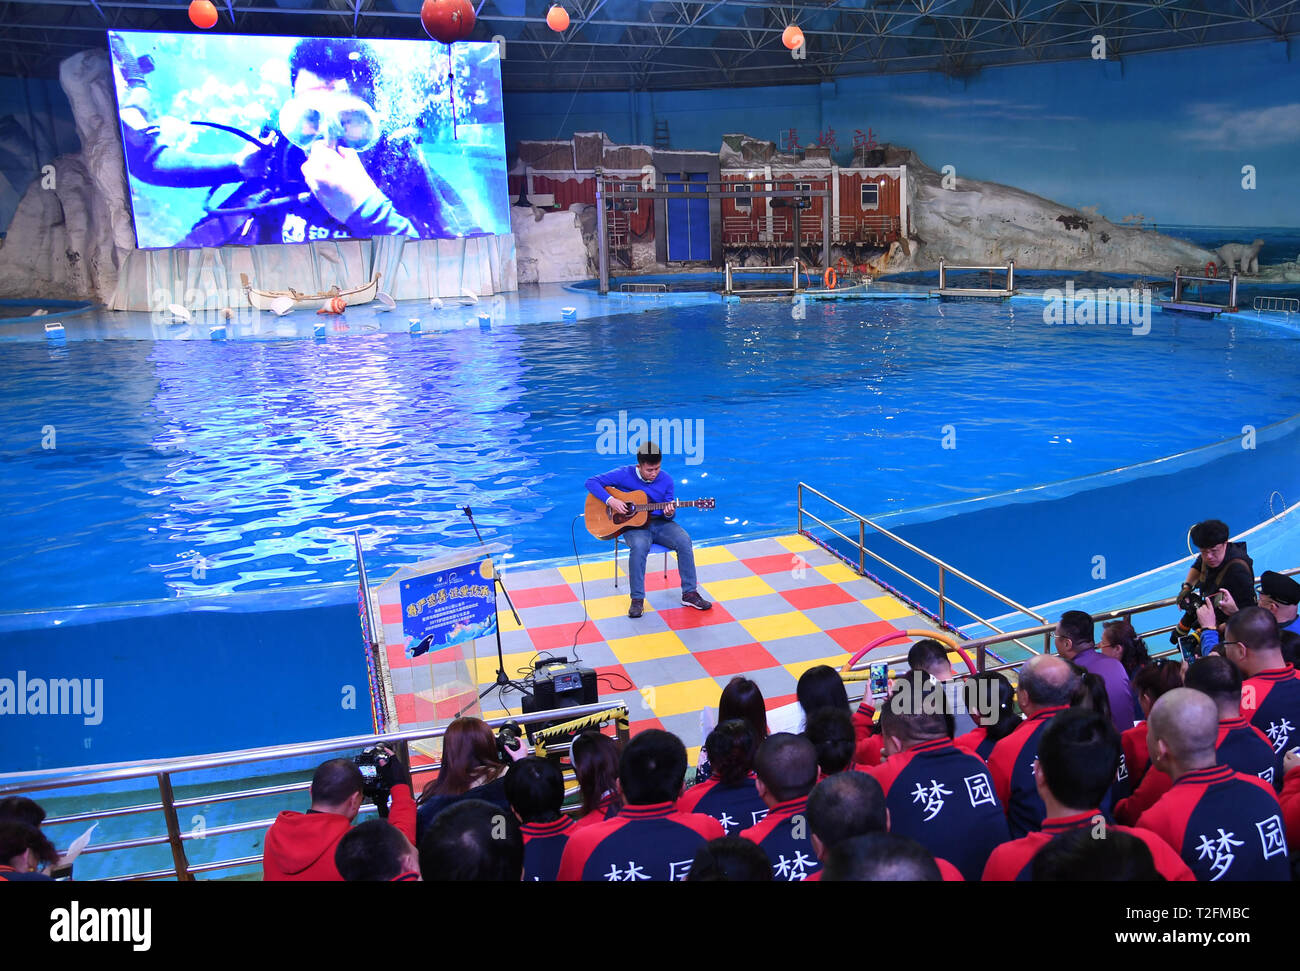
448 607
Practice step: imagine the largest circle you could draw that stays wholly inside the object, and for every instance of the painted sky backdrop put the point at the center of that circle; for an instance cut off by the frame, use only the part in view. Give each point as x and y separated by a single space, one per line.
1165 134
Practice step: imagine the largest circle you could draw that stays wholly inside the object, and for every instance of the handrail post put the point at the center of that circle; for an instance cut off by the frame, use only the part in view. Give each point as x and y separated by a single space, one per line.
168 800
862 546
799 510
943 600
980 658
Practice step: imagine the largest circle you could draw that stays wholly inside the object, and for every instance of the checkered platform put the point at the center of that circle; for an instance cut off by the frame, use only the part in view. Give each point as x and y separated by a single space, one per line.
781 606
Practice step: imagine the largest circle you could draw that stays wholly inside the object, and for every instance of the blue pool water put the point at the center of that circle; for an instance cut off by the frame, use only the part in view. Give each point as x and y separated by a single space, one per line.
181 468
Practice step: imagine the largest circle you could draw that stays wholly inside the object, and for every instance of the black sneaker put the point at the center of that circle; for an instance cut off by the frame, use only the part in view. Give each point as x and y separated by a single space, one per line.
693 599
635 609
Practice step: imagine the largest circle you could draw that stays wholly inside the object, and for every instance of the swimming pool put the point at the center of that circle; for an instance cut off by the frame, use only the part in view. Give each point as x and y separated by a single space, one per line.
180 468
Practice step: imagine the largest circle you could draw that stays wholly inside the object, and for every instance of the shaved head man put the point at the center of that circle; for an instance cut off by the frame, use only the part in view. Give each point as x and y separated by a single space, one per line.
1270 696
1225 825
1046 686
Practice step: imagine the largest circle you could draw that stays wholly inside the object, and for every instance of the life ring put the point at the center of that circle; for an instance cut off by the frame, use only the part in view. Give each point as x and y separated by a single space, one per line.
842 266
899 635
829 279
1212 269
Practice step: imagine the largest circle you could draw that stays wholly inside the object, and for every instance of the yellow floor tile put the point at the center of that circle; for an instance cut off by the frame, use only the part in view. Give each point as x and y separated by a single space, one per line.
738 589
797 668
838 573
486 666
797 543
647 647
598 568
681 697
775 626
505 619
709 555
693 757
887 608
602 608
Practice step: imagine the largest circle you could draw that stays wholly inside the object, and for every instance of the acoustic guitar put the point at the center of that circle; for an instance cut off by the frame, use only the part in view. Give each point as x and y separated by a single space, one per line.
604 523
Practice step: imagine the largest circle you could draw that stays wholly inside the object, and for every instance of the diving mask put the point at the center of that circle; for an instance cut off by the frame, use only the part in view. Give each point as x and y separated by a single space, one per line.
344 119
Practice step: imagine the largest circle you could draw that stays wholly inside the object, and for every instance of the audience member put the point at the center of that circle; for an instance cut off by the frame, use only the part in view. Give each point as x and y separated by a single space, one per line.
820 687
648 839
1156 679
787 771
938 794
473 840
1270 696
730 860
831 732
880 857
376 851
1291 795
1225 825
1046 686
1221 567
595 759
1074 642
741 698
1121 641
1078 856
1091 693
1289 644
301 846
1280 596
20 809
535 791
730 795
1240 745
991 726
931 656
1078 752
470 769
24 851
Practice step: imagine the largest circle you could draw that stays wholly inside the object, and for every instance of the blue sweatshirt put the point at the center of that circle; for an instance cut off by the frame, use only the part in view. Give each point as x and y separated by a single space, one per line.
627 479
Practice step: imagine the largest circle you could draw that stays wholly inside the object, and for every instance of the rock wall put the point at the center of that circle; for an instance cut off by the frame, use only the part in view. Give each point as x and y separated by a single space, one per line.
552 249
977 223
70 241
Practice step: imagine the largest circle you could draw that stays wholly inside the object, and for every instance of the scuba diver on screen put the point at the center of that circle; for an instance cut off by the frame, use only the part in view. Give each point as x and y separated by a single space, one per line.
329 171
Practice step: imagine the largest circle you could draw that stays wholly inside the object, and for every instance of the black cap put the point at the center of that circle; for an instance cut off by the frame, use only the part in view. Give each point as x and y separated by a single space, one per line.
1209 533
649 454
1283 590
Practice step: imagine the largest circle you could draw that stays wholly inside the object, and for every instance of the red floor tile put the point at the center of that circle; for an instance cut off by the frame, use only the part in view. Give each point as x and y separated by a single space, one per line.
779 700
742 659
635 727
822 595
655 579
612 681
688 618
405 710
561 635
561 593
854 638
775 563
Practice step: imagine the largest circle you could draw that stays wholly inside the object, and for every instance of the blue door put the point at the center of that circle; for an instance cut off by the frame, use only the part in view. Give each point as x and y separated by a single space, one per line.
688 220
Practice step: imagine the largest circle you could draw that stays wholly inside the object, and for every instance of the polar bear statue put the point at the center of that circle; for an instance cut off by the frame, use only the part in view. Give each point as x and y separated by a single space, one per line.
1230 253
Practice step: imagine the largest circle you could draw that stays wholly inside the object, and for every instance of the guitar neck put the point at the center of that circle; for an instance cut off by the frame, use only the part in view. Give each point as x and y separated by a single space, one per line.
652 506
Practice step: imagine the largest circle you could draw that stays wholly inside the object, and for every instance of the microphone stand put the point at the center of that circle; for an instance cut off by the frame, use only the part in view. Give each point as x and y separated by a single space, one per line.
501 680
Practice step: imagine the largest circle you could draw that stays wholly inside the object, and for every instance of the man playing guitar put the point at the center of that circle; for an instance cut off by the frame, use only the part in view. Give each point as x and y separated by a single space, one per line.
647 476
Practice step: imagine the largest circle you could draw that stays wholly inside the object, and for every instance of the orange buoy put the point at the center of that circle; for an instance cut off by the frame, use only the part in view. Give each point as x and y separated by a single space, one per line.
829 279
335 305
1212 269
842 266
557 18
203 14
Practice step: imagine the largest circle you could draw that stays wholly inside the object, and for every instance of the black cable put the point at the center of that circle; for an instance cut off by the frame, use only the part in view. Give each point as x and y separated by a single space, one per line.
582 585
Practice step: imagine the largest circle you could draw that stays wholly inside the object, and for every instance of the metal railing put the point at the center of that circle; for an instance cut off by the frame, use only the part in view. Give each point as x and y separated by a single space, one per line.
946 570
1279 305
643 288
164 771
1181 279
729 269
1009 269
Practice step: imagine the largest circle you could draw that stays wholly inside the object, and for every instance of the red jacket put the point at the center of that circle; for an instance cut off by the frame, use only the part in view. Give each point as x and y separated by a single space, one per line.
870 744
1291 806
1134 744
1011 861
300 846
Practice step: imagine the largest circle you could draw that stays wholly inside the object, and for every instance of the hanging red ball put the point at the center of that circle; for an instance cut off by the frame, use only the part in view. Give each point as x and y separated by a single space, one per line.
447 21
557 18
792 37
203 14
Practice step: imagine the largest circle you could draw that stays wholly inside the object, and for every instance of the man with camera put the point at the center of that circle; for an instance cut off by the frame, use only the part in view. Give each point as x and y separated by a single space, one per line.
1221 566
301 846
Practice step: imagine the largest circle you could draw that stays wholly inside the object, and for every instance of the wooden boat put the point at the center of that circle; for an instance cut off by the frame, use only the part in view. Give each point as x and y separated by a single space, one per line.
355 296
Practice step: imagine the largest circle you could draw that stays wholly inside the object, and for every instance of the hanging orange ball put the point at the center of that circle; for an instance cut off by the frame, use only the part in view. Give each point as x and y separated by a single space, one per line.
203 14
447 21
792 37
557 18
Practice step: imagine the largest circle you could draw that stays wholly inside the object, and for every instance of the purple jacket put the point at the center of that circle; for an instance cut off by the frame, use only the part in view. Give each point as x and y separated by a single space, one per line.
1117 687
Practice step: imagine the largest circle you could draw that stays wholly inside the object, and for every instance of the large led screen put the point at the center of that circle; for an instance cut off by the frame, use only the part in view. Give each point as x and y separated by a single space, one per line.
236 140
